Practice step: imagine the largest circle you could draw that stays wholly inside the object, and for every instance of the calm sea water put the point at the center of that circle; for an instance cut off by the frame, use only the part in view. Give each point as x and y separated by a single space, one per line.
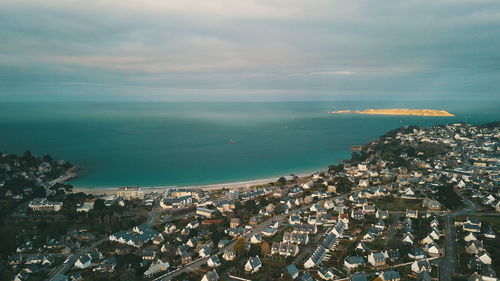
152 144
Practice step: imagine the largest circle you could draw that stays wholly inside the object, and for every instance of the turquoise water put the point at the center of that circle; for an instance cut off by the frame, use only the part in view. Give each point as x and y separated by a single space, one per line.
152 144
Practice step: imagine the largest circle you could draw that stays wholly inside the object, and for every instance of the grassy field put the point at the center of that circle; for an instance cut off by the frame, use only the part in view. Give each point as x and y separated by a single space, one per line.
399 204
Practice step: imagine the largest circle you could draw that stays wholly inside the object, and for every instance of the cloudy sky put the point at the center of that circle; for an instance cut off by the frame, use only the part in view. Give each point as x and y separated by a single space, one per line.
249 50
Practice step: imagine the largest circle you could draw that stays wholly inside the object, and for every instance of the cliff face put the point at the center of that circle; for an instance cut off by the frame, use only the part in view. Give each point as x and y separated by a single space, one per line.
397 111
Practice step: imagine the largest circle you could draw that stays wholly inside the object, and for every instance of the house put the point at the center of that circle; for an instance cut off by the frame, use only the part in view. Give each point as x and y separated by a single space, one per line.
192 242
205 251
296 238
305 228
294 219
83 262
427 240
292 271
357 214
75 277
284 249
408 239
352 262
214 262
368 237
170 228
474 277
473 247
432 204
417 254
316 257
434 223
488 273
424 276
44 205
390 275
361 247
156 267
489 233
392 255
306 276
380 225
253 264
186 258
328 204
412 214
210 276
234 223
359 276
256 239
326 273
475 264
23 275
381 214
376 259
432 249
421 265
435 234
107 265
484 257
269 231
229 255
148 254
369 209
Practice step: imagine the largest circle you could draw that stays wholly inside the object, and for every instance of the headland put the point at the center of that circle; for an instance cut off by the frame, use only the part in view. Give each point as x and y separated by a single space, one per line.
396 111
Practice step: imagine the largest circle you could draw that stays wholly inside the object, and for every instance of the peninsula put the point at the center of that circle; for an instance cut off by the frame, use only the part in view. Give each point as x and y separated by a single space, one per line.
396 111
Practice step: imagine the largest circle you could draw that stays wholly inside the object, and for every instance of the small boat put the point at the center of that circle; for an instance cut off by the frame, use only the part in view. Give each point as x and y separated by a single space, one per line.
232 141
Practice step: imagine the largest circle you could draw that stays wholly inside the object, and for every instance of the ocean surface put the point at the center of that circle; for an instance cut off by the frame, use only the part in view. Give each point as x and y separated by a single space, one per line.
155 144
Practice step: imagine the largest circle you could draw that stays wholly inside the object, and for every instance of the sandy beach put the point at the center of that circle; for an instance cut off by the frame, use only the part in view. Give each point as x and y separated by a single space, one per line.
207 187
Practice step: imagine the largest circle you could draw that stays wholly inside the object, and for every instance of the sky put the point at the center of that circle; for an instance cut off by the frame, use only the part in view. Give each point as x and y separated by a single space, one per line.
216 50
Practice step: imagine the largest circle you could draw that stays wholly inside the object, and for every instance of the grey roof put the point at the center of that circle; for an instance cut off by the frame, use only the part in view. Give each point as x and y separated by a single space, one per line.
358 277
391 275
292 269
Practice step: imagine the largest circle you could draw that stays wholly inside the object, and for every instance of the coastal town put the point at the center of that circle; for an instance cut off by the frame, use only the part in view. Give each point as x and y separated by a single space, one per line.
418 203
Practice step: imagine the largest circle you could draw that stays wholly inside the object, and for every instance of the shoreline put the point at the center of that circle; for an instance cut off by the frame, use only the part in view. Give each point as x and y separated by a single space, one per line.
204 187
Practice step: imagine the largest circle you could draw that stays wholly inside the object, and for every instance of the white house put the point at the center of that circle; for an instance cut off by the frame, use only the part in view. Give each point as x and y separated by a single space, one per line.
229 255
421 265
256 239
213 261
376 259
83 262
253 264
210 276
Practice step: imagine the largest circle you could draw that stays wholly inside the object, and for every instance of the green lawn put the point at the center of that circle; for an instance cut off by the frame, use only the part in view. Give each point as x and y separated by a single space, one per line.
399 204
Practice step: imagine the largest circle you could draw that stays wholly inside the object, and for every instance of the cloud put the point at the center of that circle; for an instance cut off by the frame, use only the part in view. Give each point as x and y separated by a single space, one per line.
320 48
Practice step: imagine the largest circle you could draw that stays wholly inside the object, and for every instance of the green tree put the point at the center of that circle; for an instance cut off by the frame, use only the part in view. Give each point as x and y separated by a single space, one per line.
99 205
281 181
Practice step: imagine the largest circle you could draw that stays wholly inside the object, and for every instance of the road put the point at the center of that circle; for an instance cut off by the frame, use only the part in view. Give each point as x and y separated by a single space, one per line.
191 266
64 267
448 263
257 229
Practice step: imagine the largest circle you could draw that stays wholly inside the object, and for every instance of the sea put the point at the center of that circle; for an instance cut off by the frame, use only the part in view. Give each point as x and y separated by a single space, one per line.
196 143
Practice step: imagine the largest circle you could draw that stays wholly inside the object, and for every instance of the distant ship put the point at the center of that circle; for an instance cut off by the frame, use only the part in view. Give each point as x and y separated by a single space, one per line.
232 141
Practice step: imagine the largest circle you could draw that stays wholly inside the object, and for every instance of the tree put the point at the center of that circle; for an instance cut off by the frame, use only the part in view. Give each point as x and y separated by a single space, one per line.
343 184
239 246
265 249
282 181
99 205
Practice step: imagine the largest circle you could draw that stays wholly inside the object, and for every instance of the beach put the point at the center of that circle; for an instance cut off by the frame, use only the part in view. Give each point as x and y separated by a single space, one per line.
207 187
